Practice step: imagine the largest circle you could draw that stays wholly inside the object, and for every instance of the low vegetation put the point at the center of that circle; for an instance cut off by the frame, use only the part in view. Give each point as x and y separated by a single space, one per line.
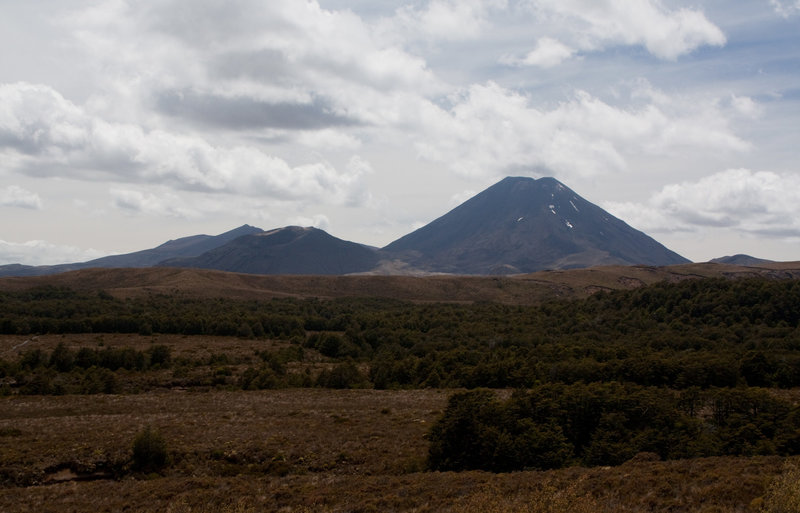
554 426
674 396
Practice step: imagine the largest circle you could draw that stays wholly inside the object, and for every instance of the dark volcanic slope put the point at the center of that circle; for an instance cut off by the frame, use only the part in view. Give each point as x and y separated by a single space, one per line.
184 247
523 225
290 250
740 260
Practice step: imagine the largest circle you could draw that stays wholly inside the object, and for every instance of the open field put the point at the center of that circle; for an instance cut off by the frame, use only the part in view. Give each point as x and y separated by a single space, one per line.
255 422
520 289
314 450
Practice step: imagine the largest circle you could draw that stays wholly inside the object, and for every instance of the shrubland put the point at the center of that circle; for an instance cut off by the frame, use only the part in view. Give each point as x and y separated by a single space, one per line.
656 383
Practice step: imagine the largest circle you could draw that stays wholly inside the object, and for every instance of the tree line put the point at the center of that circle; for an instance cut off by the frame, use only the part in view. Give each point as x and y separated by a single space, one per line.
697 333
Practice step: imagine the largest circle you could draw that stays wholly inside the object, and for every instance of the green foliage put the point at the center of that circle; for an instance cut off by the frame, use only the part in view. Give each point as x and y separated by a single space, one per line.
606 424
343 375
697 333
149 451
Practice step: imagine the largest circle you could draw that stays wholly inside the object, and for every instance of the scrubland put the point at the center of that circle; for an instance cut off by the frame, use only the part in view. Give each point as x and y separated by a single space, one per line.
356 404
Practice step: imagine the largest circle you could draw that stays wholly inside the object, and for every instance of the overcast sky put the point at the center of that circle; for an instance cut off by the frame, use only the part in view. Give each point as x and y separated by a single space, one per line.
126 123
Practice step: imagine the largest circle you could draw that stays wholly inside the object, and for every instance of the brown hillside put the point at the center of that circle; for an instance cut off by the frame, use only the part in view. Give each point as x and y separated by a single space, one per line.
519 289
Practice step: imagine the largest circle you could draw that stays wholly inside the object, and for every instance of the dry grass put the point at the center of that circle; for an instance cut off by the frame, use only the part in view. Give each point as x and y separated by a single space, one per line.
317 450
522 289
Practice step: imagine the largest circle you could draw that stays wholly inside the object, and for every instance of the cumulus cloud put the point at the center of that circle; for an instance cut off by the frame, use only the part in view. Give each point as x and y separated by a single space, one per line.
753 202
39 252
250 64
490 130
14 196
597 24
548 53
42 132
448 19
746 106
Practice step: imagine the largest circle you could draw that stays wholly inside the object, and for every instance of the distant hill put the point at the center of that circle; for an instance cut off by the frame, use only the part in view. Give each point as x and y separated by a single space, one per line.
290 250
521 289
740 260
184 247
522 225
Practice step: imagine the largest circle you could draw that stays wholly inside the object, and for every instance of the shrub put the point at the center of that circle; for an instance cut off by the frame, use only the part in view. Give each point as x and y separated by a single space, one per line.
149 451
344 375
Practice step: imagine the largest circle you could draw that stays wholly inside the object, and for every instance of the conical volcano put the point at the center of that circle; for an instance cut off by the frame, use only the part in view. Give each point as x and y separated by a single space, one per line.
522 225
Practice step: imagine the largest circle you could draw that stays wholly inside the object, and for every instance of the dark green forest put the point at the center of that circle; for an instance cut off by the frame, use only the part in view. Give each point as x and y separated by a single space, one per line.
696 333
553 426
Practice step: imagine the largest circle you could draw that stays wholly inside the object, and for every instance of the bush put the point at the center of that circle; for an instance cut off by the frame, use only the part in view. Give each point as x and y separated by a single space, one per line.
149 451
344 375
551 426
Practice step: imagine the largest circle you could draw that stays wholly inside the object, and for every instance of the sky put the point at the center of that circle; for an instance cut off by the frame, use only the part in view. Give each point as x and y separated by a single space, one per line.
127 123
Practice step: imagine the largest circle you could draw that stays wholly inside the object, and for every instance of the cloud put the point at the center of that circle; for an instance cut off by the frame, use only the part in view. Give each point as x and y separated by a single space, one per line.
320 221
137 202
39 252
548 53
448 19
746 106
785 8
14 196
42 133
243 112
276 57
597 24
759 203
489 131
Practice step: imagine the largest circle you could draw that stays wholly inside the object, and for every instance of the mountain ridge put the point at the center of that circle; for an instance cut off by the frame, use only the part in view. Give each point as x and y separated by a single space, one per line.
518 225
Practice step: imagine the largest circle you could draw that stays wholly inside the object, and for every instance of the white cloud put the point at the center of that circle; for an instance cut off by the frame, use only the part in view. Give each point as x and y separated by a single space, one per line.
448 19
746 106
280 52
39 252
785 8
320 221
42 132
548 53
753 202
164 205
597 24
491 131
14 196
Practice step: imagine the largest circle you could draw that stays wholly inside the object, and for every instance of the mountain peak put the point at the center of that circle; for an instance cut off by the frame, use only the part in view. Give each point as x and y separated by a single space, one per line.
287 250
522 224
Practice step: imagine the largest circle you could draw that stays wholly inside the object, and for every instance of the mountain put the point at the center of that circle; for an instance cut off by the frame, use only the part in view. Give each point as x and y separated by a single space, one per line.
740 260
522 225
290 250
184 247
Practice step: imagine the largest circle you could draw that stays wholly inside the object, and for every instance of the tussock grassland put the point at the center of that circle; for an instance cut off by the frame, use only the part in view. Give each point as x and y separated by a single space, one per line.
316 450
520 289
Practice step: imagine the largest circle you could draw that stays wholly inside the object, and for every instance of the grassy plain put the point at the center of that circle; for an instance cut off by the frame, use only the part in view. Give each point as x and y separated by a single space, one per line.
315 450
311 449
518 289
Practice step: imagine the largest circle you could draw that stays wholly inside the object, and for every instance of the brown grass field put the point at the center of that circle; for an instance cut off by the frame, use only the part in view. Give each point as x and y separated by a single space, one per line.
304 450
316 450
518 289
